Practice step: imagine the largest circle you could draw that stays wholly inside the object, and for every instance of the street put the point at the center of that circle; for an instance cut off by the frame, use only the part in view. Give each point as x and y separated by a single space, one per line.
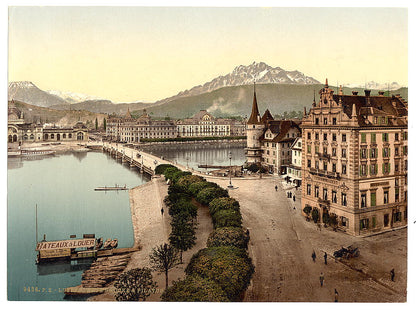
282 242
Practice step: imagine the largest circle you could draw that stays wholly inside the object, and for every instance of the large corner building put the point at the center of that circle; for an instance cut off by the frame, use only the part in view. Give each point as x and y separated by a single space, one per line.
354 160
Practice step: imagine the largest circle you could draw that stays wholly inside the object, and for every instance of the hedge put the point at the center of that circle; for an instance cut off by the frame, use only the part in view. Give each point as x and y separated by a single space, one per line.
230 267
228 236
226 218
194 288
208 194
223 203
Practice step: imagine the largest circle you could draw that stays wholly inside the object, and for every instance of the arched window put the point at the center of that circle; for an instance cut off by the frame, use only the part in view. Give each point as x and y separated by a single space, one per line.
80 136
64 136
32 137
25 137
46 136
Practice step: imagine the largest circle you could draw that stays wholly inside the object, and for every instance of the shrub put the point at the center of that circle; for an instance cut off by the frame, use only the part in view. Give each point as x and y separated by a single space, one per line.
315 215
179 174
195 188
206 195
183 205
135 284
223 203
184 182
194 288
307 210
228 236
226 218
169 171
161 168
230 267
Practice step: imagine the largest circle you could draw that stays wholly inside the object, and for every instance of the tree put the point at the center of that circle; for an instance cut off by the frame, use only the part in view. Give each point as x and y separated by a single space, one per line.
96 124
315 215
227 218
182 236
135 284
223 203
163 258
105 124
206 195
228 236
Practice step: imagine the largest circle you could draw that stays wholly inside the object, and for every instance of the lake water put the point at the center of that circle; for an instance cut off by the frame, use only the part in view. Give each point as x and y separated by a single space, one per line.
202 154
63 189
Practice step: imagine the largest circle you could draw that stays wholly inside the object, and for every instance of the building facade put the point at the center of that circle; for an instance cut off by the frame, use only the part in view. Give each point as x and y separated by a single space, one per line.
294 172
128 129
203 124
269 141
354 160
20 131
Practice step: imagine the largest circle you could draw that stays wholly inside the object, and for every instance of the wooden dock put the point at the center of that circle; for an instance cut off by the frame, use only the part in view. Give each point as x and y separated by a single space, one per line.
112 188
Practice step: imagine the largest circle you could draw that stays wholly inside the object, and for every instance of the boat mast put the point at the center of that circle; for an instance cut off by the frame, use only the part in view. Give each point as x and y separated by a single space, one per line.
36 209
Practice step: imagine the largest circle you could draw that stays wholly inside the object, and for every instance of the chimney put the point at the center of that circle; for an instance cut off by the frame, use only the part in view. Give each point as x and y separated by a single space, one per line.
381 93
355 93
367 92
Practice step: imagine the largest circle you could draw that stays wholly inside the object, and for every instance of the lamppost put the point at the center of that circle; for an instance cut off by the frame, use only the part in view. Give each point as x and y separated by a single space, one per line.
229 171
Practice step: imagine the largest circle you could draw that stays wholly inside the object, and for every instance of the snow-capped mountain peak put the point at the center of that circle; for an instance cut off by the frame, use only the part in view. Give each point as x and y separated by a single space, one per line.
72 97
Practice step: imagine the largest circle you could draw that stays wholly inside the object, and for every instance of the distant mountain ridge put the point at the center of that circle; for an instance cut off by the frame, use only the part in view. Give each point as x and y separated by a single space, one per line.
258 72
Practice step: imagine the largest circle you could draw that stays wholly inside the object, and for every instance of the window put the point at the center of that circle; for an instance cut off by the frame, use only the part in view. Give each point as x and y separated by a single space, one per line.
386 197
316 149
344 153
363 136
324 194
396 167
334 137
317 164
334 121
396 151
334 196
373 153
363 153
396 195
386 152
385 137
309 149
316 191
334 152
397 216
363 169
325 150
325 166
405 150
344 199
325 136
317 121
308 189
373 169
309 135
344 169
373 199
325 121
334 167
386 220
364 224
309 163
363 201
396 136
344 137
404 135
316 136
386 167
373 138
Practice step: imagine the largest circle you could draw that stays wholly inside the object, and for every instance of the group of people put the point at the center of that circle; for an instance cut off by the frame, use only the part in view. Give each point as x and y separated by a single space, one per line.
321 276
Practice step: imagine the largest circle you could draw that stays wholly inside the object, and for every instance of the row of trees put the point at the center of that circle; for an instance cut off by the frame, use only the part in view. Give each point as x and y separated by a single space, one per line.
223 270
330 219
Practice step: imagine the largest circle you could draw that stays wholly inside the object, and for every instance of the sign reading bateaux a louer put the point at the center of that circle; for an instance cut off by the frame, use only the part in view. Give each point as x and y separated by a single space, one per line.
65 244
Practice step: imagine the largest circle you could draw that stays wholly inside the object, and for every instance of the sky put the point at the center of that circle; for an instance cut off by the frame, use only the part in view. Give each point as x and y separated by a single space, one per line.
128 54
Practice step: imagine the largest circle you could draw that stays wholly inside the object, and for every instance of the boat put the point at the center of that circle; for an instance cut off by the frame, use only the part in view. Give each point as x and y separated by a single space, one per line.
35 152
114 243
112 188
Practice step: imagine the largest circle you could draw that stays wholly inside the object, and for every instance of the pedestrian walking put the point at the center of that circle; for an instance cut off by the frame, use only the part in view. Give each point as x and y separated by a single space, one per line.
294 198
392 274
275 188
321 279
287 194
336 295
162 211
325 257
313 255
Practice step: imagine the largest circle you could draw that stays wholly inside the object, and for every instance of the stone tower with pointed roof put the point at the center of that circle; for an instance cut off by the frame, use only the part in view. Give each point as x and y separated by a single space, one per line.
255 128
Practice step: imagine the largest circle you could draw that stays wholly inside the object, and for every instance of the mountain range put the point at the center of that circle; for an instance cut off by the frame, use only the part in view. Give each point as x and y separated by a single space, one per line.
230 94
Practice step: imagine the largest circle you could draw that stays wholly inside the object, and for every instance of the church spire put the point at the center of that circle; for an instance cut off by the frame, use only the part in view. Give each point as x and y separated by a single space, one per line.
255 115
326 83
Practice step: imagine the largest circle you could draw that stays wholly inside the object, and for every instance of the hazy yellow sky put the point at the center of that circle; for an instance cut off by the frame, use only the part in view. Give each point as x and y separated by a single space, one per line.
126 54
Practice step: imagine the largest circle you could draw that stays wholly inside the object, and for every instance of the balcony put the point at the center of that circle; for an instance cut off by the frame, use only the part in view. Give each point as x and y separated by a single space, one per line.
323 173
323 156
